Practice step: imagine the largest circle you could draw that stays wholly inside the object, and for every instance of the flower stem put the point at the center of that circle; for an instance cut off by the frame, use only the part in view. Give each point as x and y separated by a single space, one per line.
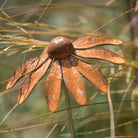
70 120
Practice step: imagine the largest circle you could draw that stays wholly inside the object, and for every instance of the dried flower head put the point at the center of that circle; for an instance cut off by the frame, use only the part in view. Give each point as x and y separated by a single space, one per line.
68 66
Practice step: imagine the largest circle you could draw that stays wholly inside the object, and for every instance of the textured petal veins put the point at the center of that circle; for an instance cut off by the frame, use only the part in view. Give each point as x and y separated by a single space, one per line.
91 73
67 66
31 80
30 65
74 82
53 86
87 41
100 54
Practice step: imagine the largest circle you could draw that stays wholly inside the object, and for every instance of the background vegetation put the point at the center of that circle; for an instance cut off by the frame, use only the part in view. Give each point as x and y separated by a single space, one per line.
26 27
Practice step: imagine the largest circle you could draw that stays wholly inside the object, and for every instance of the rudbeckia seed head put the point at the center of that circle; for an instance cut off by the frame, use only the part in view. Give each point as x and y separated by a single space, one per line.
60 47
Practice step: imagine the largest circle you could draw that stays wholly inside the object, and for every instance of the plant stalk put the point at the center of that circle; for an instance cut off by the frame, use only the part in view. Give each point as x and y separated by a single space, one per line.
70 120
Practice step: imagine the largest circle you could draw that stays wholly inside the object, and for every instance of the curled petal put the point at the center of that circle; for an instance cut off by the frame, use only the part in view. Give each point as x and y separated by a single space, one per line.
87 41
100 54
31 80
74 82
53 86
30 65
91 73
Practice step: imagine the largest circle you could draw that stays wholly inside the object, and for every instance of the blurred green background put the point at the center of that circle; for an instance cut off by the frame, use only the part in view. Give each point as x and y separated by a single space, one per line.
24 33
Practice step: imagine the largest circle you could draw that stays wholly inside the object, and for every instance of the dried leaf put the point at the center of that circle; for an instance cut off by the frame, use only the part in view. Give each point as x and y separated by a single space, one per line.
74 82
53 86
100 54
87 41
91 73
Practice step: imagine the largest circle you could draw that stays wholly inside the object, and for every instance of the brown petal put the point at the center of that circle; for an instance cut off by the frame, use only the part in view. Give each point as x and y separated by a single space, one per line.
91 73
53 86
25 69
44 53
87 41
31 81
29 67
100 54
74 82
136 6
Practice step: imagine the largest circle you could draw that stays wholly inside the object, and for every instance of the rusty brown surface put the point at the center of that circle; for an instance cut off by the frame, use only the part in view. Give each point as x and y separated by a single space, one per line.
136 6
100 54
87 41
72 68
92 73
25 69
74 82
31 80
53 86
60 47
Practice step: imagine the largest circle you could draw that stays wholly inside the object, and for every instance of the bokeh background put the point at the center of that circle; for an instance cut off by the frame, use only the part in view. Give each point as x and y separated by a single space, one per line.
25 32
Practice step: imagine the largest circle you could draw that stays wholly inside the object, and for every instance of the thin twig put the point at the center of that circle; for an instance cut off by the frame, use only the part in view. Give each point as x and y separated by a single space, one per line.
51 130
112 123
3 4
43 11
123 98
8 114
70 120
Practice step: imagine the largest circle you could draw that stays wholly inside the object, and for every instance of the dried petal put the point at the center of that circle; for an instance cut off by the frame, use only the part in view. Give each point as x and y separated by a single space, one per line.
53 86
87 41
74 82
136 6
44 53
21 71
100 54
31 80
91 73
30 65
